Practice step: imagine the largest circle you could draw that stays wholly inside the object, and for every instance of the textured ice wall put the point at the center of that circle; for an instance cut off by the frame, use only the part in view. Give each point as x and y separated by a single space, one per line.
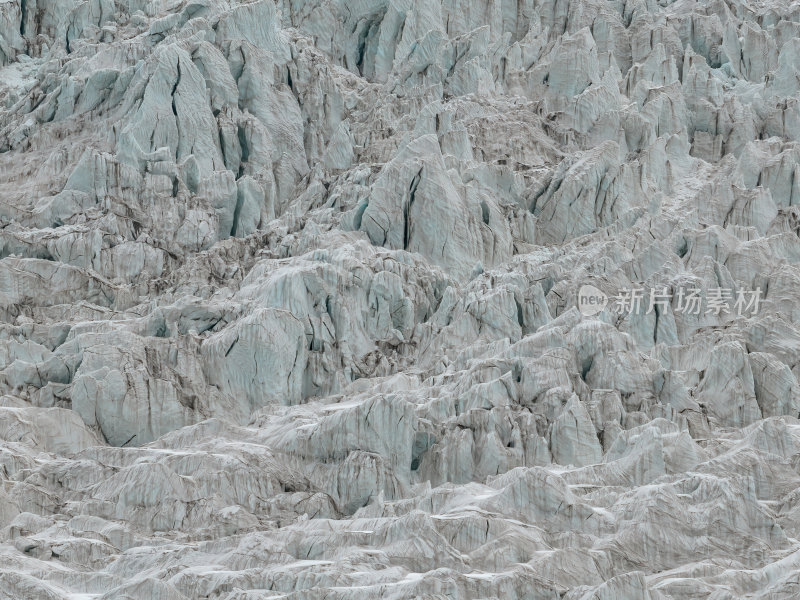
289 299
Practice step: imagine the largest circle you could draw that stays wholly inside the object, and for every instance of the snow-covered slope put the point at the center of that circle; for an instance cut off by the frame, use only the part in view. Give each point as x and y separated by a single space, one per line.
289 299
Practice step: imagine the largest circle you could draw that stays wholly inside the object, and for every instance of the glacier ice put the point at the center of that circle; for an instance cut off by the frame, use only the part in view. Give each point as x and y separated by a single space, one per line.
290 299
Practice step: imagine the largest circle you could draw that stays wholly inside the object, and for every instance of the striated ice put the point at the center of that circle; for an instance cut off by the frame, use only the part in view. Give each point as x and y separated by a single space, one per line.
289 299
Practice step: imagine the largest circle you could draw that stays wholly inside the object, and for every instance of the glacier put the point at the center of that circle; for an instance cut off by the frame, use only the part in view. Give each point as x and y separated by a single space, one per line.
290 299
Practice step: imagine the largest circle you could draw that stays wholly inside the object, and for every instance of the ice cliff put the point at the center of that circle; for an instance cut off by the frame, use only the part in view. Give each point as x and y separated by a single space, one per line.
289 299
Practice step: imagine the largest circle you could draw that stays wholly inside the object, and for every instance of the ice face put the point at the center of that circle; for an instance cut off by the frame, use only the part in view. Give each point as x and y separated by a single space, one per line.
291 298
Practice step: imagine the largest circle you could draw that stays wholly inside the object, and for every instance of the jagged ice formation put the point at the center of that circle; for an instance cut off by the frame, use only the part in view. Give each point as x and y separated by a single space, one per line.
288 299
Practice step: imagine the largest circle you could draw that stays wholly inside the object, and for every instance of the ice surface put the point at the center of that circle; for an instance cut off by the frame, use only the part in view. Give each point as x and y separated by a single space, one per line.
289 297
